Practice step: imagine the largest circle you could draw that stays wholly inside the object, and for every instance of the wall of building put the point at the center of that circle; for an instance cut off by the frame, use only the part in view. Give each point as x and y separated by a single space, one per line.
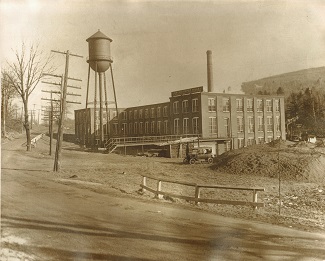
192 112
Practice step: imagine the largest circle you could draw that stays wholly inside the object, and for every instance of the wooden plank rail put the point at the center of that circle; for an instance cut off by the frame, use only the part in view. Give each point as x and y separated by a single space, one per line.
198 188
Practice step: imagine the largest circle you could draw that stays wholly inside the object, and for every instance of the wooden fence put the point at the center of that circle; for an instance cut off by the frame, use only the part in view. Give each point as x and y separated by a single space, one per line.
197 192
34 140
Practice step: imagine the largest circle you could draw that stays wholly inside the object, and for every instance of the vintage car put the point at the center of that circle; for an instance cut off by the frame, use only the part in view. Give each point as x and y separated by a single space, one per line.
201 154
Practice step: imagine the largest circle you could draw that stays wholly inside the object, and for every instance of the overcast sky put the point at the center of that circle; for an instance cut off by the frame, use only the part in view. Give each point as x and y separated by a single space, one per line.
160 46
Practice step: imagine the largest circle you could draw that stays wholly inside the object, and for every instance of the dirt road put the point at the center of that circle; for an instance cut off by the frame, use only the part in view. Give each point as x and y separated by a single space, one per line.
45 219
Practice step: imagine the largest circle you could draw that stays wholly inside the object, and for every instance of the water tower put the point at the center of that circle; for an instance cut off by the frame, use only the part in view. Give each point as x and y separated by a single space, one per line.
99 61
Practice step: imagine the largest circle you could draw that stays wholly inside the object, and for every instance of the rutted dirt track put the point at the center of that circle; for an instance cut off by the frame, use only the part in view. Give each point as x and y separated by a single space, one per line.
92 210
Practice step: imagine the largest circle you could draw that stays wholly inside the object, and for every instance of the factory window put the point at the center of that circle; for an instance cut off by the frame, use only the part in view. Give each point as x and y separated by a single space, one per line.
195 125
140 114
175 107
268 105
260 124
158 127
195 105
277 105
165 114
135 114
212 125
165 127
130 115
250 141
185 126
153 127
185 106
239 105
269 124
250 105
211 104
240 124
135 130
260 140
225 104
146 127
277 123
123 115
176 126
152 113
227 127
227 146
115 128
250 124
240 143
130 128
158 112
124 129
141 127
259 105
104 116
146 113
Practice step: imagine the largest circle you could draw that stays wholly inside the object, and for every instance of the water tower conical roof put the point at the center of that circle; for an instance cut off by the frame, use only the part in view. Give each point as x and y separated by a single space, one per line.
99 35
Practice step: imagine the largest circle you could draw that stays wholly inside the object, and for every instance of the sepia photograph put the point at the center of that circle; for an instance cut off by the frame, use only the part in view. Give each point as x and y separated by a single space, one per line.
144 130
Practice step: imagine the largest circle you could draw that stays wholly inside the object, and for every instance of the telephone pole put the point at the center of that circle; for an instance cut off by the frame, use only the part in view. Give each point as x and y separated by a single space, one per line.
57 160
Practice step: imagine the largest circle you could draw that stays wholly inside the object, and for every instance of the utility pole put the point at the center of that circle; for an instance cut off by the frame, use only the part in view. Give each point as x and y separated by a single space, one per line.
57 162
34 117
21 119
31 119
51 111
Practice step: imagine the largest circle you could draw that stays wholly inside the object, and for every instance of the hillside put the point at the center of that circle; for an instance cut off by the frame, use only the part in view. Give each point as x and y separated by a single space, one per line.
290 82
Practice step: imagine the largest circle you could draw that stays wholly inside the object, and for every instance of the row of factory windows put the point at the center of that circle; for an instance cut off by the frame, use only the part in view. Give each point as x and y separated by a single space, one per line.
158 128
163 128
251 125
195 108
156 112
163 111
252 141
249 104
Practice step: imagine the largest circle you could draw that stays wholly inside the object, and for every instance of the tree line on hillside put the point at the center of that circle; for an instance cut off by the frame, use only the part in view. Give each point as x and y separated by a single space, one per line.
304 102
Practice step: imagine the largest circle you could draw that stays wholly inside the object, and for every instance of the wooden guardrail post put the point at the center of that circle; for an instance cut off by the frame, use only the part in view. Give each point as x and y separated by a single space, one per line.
197 194
144 183
158 195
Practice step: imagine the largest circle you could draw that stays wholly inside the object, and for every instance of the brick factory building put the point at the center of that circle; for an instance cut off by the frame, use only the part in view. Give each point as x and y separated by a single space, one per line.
220 120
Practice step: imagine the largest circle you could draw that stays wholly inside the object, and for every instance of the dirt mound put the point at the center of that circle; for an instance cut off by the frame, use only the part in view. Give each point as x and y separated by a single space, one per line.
299 163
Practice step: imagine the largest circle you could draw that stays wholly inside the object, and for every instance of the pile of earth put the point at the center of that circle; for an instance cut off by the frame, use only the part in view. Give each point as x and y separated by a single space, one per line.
293 161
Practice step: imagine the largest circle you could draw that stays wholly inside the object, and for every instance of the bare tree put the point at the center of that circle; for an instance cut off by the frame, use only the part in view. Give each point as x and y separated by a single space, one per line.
24 74
7 93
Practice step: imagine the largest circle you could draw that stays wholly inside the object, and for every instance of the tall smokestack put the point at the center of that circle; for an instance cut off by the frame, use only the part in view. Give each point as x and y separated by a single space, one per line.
210 71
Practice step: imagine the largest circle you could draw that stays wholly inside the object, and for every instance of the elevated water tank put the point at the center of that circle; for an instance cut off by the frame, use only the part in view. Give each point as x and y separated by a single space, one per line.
99 52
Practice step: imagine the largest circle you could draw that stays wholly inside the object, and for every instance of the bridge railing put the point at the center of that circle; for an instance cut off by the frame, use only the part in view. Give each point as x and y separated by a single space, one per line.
159 193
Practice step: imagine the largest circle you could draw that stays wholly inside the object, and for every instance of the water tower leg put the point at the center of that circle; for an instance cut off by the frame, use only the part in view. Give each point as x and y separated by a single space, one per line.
106 107
115 100
95 108
85 138
100 109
